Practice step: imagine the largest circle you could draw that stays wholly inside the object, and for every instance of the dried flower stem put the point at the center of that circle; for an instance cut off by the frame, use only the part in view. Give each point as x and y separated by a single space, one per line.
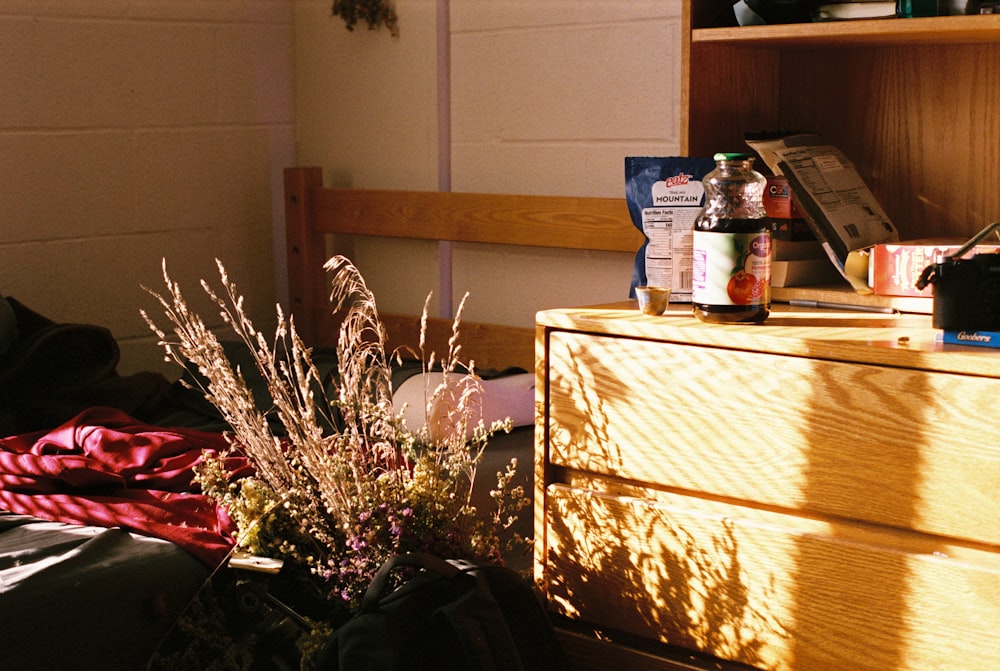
346 484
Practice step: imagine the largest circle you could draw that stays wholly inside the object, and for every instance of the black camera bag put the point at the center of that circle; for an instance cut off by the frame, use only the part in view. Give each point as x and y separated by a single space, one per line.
451 616
966 290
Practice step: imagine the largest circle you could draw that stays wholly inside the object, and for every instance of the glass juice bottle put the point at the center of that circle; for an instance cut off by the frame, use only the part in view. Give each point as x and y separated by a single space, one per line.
732 245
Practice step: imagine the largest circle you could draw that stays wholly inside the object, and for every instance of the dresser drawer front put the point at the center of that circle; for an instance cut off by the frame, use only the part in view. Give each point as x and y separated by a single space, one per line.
888 445
768 589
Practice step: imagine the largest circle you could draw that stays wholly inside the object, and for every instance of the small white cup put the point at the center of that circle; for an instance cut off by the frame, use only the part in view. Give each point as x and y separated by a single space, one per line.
653 300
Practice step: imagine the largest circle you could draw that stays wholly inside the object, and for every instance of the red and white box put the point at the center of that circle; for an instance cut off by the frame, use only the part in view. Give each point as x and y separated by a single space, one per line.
894 268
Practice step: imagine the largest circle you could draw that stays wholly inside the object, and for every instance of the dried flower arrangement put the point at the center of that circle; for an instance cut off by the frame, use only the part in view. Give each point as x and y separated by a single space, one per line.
347 484
376 13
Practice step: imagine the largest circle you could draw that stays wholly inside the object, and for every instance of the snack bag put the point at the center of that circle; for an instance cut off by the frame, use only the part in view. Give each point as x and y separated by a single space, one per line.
664 196
838 205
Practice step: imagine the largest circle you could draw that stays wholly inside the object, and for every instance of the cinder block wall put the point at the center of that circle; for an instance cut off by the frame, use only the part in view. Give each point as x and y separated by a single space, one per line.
549 98
544 96
136 131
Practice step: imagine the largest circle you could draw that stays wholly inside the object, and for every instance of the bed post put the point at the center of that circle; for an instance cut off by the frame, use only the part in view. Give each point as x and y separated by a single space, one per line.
306 250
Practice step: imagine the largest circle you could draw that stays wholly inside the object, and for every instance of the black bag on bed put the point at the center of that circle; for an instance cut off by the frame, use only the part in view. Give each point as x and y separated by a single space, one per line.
451 616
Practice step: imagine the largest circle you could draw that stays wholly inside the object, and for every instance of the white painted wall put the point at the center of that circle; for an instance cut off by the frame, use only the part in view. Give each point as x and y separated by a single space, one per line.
546 97
132 130
366 112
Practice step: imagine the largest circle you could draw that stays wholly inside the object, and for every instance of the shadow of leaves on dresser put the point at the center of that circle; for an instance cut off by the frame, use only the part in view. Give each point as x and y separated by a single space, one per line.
637 562
681 584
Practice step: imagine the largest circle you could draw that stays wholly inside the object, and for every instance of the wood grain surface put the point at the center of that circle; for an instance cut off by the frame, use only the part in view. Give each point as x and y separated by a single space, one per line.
818 493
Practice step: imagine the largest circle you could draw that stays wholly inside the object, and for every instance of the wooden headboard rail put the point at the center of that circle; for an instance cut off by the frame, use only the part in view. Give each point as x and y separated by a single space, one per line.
313 211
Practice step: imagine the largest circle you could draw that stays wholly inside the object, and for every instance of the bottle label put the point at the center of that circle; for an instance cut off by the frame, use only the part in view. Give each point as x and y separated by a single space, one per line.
732 268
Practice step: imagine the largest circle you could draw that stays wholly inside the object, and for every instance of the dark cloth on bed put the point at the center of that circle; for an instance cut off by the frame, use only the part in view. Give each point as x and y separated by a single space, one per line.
105 468
50 372
86 598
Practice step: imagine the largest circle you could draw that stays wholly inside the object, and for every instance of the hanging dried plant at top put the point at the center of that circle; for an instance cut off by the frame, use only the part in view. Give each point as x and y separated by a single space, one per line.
376 13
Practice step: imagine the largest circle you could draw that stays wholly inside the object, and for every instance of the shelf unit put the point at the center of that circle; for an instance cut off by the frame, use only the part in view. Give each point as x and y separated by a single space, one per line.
915 103
868 33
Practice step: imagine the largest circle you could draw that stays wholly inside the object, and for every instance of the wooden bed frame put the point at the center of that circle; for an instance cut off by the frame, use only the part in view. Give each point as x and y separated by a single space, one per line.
313 212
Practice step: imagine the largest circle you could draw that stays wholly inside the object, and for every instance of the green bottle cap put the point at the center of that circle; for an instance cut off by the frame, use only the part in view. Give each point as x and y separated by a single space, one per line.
722 156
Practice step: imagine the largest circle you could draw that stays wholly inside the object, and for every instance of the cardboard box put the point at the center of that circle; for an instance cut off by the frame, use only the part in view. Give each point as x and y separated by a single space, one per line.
778 200
787 221
831 194
894 268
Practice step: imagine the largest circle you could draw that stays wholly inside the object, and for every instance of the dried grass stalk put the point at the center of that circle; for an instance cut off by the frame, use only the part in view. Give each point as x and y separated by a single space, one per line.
341 499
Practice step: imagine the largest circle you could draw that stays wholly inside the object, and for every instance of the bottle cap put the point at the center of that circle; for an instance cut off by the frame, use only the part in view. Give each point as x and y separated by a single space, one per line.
722 156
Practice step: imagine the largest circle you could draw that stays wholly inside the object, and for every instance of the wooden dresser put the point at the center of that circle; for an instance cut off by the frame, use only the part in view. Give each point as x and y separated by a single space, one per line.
821 492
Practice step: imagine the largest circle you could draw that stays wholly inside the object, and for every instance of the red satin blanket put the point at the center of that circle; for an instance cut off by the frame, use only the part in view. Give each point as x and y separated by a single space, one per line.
104 468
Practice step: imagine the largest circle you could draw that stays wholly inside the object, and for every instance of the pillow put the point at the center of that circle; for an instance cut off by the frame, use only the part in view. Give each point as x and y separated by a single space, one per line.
496 399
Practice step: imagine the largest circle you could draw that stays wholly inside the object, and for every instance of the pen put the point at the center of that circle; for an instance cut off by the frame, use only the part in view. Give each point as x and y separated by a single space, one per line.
841 306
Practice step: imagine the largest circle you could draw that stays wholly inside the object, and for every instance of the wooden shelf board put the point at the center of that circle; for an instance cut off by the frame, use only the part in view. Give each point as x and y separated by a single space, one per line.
876 32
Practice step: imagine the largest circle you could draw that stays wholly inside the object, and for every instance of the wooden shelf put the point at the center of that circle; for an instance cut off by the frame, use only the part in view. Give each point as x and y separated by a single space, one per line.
868 33
912 102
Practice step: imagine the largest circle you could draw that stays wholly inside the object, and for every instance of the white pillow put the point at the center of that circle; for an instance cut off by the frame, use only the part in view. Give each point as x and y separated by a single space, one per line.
496 399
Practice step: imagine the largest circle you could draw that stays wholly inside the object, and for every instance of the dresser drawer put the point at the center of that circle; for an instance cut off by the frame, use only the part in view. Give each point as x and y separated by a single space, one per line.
896 446
769 589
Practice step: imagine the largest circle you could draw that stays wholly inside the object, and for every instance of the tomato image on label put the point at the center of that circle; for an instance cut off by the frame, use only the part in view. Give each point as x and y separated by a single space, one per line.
744 288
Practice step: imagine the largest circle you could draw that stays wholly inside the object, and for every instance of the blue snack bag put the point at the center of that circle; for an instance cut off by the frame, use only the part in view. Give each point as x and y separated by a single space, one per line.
665 196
